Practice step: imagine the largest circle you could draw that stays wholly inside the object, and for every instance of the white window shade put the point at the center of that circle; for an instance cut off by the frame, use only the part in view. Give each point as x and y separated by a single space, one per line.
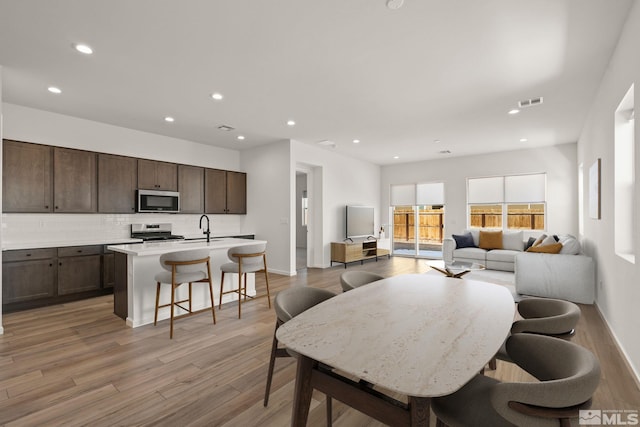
430 194
403 195
486 190
525 188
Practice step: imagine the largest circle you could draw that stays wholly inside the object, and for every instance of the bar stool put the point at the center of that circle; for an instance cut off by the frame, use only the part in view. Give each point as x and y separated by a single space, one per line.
245 259
183 267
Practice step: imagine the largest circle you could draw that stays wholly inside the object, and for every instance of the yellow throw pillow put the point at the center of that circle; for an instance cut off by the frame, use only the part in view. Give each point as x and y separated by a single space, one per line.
546 249
490 240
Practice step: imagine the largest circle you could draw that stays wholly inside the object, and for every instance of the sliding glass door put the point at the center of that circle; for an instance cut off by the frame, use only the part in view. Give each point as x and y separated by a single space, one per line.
418 220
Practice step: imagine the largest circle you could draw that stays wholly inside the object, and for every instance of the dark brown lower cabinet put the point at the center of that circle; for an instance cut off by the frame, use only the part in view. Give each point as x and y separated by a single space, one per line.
37 277
28 280
79 269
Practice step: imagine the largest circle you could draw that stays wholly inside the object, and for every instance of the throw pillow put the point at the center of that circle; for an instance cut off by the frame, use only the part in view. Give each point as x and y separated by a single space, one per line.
463 240
546 249
490 240
549 240
512 240
529 243
539 239
570 245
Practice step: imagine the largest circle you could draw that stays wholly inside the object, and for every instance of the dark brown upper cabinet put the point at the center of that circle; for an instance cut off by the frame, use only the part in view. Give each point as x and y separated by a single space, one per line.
117 183
225 192
27 177
191 188
154 175
74 181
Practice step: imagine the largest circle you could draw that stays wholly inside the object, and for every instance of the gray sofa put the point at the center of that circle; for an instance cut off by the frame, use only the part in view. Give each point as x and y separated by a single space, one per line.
569 275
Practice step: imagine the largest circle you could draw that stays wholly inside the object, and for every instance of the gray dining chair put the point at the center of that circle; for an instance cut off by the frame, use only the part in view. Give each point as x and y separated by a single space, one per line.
354 279
567 375
183 267
245 259
544 316
288 304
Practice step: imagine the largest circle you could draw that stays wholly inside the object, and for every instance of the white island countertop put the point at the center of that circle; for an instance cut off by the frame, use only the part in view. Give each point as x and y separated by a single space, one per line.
159 248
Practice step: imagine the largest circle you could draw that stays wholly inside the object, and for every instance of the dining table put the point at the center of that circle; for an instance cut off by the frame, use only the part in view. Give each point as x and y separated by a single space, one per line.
388 347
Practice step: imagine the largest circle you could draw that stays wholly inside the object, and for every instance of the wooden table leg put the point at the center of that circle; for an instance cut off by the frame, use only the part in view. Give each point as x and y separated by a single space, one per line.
446 272
303 391
420 408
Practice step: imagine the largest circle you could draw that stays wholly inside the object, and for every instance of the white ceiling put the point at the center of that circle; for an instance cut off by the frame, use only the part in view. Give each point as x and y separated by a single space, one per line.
397 80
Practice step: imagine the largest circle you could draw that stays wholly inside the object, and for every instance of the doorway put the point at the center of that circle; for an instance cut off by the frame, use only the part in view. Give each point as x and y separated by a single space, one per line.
302 220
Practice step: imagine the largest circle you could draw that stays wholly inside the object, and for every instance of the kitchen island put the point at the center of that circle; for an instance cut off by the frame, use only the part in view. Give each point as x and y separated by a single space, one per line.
137 264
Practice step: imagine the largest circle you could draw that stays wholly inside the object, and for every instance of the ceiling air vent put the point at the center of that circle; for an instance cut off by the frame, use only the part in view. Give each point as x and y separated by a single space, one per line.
444 152
225 128
530 102
327 143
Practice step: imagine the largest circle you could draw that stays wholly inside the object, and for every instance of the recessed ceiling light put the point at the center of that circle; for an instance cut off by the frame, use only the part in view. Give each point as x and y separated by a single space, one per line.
437 141
291 123
240 137
523 139
169 119
356 141
54 89
217 96
83 48
396 157
514 111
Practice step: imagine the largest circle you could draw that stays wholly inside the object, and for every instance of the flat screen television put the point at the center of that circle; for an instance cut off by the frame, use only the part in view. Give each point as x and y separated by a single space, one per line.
360 221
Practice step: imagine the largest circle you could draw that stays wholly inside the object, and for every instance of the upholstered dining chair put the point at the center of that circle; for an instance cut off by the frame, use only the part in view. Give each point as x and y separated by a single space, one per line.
288 304
568 376
353 279
245 259
183 267
544 316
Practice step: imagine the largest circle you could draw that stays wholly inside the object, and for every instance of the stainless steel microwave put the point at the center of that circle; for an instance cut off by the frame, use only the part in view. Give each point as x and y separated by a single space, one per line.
157 201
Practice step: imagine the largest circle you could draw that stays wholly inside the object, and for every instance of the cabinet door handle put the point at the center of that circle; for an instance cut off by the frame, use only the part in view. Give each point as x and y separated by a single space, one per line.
79 251
60 263
46 206
50 264
28 255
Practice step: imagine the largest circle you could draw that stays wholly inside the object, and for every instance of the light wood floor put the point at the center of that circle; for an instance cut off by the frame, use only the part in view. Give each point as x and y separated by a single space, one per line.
78 364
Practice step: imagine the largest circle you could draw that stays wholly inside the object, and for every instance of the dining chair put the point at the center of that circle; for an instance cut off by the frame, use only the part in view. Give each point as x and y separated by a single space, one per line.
567 377
544 316
353 279
288 304
245 259
183 267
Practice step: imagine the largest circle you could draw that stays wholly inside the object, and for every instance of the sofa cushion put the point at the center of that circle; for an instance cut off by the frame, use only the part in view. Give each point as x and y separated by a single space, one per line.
463 241
490 239
475 233
512 240
549 240
503 255
470 253
539 240
546 249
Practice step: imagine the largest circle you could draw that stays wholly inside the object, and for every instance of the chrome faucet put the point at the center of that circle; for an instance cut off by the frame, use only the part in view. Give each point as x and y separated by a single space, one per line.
207 231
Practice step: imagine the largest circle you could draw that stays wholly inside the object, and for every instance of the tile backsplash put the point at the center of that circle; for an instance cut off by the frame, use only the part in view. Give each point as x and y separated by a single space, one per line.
47 228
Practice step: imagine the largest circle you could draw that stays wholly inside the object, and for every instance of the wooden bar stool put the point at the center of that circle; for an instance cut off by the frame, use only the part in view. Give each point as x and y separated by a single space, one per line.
245 259
183 267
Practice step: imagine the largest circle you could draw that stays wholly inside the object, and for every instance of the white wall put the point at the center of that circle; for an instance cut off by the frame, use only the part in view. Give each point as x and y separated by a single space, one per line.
270 195
558 162
618 289
345 181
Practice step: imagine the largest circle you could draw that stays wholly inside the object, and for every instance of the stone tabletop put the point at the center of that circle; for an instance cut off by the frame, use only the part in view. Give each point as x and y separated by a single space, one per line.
418 335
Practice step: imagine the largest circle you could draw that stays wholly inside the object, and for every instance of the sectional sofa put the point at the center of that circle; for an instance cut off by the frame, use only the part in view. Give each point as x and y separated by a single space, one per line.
568 274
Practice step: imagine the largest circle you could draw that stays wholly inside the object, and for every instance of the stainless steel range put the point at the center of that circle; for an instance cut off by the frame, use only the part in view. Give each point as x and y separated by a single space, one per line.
153 232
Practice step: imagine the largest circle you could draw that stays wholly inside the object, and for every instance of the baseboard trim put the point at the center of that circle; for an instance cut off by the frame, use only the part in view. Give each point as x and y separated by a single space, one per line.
616 341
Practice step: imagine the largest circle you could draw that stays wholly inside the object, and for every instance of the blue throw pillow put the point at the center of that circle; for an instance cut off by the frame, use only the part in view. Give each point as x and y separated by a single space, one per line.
463 241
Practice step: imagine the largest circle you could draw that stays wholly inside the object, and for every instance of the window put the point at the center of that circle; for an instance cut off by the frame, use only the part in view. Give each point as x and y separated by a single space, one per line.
510 202
624 178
